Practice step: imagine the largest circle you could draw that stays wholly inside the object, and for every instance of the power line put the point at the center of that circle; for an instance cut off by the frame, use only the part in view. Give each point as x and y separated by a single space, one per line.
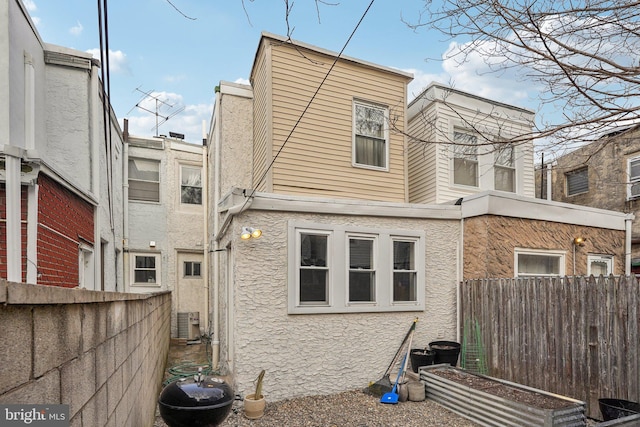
326 76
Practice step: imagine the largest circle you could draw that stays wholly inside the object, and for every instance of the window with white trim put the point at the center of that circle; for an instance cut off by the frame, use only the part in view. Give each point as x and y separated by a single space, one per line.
577 181
144 180
191 185
633 171
532 262
339 269
465 158
145 269
362 270
599 265
504 168
370 136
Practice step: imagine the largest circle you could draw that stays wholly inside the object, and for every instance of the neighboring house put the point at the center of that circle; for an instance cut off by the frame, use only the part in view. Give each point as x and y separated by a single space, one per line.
347 256
603 174
164 227
60 179
462 144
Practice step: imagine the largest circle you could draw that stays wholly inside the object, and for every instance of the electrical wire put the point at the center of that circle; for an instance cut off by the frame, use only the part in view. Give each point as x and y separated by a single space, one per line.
326 76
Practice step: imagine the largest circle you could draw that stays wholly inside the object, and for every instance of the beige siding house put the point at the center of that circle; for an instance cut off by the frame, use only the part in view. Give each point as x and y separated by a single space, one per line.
462 144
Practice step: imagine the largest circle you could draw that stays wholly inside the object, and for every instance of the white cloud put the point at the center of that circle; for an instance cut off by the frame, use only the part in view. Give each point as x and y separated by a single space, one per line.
118 62
77 29
30 5
175 79
421 80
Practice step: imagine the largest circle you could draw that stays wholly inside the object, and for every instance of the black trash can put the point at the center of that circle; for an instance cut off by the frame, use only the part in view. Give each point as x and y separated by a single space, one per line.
612 409
421 357
446 352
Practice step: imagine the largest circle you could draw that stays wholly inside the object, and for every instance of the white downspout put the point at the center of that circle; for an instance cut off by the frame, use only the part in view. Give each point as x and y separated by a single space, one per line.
13 157
215 343
627 243
205 225
549 178
125 207
95 171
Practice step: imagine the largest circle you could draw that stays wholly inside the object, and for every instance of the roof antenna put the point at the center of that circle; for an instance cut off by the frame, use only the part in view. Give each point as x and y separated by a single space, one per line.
159 103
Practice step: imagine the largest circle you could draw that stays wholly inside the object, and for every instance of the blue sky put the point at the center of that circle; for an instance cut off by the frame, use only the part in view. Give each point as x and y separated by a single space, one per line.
155 49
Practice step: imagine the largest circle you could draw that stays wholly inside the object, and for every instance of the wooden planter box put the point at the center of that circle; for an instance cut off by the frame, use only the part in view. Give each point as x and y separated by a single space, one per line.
494 402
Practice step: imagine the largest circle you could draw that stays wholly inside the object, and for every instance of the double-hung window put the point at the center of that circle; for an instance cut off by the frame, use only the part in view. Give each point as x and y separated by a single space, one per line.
633 170
342 269
313 268
370 136
577 181
191 185
504 168
144 180
146 269
362 272
465 159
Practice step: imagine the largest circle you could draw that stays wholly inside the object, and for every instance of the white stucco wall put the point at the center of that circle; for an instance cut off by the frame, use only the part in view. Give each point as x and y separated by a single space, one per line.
322 353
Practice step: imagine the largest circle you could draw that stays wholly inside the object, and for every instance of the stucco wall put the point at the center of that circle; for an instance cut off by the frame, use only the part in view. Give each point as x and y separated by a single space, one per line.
489 243
103 354
322 353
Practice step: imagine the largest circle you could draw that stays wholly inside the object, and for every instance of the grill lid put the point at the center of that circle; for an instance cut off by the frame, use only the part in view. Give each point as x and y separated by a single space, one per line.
197 391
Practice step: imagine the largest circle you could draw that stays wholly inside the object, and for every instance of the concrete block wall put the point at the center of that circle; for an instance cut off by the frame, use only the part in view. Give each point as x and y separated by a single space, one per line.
101 353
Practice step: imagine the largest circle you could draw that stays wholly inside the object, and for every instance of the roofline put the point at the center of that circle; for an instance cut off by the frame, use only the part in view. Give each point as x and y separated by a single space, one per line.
282 39
435 84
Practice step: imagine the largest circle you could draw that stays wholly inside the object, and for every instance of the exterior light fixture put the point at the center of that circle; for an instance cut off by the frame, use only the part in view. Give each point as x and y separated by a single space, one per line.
250 232
579 241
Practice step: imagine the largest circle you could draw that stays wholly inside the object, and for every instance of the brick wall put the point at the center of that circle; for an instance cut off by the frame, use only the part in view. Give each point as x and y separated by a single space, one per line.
103 354
64 221
3 231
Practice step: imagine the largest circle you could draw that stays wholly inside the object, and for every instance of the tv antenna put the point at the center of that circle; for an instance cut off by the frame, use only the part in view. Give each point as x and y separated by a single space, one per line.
159 103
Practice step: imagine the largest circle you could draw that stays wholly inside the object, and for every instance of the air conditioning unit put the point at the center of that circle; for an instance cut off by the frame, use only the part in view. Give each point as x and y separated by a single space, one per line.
189 325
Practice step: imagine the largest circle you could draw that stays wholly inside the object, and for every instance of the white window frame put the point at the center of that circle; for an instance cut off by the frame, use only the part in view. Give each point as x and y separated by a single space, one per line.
608 259
633 180
561 255
373 269
182 184
499 148
158 269
465 153
297 265
413 271
385 110
158 182
338 268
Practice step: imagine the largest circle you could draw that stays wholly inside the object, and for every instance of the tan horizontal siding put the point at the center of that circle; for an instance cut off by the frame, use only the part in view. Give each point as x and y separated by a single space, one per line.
261 114
317 159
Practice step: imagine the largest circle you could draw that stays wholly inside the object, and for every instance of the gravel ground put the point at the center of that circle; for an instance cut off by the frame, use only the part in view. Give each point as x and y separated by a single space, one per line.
348 409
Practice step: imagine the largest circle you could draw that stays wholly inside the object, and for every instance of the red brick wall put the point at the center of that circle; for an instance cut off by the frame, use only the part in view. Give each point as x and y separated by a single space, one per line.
64 220
3 231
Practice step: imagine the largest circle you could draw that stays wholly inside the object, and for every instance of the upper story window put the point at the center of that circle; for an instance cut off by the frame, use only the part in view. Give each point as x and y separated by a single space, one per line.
531 262
465 159
370 136
633 170
144 180
191 185
341 269
577 181
504 168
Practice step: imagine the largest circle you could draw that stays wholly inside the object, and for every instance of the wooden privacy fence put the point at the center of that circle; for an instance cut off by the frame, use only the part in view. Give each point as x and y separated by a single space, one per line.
573 336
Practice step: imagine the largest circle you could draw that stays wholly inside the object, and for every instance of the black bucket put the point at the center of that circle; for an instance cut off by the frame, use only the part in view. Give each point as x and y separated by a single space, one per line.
421 357
612 409
446 352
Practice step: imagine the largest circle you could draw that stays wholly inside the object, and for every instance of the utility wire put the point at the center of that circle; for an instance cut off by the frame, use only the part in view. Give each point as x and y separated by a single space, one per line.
264 175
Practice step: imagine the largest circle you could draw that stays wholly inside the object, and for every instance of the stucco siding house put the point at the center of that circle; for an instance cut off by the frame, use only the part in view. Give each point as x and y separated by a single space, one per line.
60 148
164 235
462 144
